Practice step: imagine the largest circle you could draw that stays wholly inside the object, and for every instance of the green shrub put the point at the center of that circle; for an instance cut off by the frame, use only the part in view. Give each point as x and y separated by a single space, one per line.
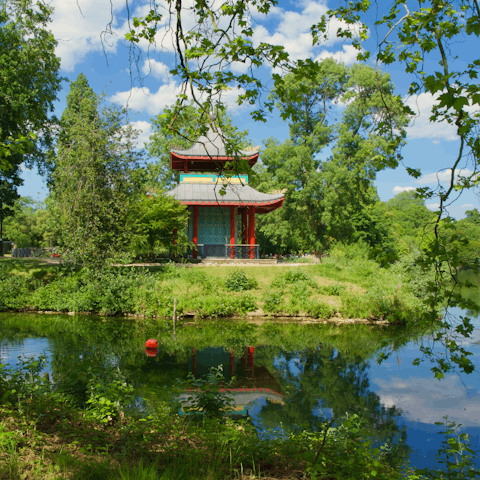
355 306
237 281
15 288
246 303
292 276
320 310
299 293
60 296
224 306
273 301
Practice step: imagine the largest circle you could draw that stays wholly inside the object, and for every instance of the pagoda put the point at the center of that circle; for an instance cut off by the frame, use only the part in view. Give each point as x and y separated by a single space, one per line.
222 211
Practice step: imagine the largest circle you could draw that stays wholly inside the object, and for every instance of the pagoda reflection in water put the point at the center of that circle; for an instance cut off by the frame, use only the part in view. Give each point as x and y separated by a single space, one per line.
251 384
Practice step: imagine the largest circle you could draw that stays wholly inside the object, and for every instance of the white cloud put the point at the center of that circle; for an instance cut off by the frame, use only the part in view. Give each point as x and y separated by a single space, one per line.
421 127
467 205
292 31
348 55
433 206
78 25
443 176
427 400
397 190
156 69
145 131
141 99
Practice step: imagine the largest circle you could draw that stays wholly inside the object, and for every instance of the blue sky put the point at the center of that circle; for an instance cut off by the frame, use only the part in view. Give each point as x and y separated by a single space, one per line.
78 27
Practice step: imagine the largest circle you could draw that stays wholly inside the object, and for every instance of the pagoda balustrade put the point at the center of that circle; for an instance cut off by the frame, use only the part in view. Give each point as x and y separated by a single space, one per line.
229 250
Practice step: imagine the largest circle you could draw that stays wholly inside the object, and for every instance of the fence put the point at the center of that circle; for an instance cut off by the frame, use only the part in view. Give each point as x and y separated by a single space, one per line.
243 251
31 252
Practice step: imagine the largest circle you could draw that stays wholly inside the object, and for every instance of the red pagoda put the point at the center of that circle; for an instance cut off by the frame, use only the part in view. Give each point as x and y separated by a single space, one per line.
220 225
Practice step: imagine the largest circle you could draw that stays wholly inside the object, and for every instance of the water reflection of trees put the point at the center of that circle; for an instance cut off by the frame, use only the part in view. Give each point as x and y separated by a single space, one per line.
325 382
330 379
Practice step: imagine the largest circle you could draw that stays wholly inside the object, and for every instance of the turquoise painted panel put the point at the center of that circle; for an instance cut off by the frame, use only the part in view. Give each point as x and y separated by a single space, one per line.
211 178
213 225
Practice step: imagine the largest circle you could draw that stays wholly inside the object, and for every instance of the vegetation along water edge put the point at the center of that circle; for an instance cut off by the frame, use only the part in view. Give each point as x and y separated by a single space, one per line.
343 286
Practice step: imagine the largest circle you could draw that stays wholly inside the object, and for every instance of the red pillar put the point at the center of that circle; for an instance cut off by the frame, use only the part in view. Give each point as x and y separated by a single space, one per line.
195 229
251 231
232 231
251 361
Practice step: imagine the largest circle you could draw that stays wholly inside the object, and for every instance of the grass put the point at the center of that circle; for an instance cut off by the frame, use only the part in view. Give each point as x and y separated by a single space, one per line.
338 287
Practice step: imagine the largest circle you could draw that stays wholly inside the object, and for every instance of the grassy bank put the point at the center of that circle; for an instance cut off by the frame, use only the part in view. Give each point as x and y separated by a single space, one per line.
339 287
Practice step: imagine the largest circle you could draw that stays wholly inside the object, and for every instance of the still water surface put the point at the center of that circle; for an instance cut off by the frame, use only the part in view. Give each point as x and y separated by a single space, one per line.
283 381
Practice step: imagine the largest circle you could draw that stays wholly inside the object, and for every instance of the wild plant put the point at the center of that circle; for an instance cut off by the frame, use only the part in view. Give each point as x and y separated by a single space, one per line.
109 394
237 281
208 396
456 455
273 301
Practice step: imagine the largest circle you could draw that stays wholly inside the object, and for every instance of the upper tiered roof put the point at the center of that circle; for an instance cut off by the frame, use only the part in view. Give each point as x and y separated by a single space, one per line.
207 154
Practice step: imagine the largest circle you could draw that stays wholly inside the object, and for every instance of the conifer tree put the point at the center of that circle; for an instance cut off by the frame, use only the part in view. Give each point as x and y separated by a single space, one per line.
96 178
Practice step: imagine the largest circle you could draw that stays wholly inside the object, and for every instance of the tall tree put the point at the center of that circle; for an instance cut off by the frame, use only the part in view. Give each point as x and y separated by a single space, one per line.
332 199
412 221
29 82
96 177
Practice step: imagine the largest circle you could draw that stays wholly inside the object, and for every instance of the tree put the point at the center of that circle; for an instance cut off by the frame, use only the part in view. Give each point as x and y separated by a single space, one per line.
96 178
29 82
190 124
154 219
412 221
333 199
473 216
9 181
29 224
219 37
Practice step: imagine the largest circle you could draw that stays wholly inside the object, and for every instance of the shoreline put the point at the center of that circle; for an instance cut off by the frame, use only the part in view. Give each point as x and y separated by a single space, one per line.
302 319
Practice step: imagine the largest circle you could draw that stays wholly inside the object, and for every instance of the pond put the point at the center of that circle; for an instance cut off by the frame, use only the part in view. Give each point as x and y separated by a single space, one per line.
287 376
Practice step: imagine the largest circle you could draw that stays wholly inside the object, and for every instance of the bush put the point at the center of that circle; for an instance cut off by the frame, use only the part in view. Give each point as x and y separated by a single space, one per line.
246 303
299 294
273 301
15 290
355 306
224 306
320 310
292 276
237 281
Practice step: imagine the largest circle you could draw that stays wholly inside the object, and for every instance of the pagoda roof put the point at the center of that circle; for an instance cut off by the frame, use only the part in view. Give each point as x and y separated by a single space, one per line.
235 195
207 150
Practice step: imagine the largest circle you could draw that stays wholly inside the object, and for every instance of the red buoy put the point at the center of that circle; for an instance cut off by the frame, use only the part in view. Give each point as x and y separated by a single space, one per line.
151 343
151 352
